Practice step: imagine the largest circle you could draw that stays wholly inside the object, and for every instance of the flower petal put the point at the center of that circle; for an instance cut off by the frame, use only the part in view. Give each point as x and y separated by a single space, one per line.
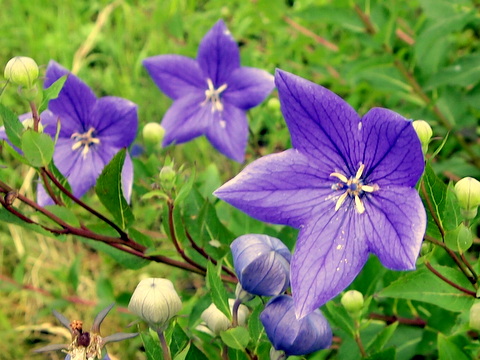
218 54
321 123
115 121
127 177
392 152
394 225
247 87
283 188
74 102
186 119
228 132
175 75
330 252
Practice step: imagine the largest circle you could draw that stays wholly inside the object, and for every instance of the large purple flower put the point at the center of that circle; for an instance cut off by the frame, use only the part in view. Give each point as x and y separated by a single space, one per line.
348 184
92 131
211 94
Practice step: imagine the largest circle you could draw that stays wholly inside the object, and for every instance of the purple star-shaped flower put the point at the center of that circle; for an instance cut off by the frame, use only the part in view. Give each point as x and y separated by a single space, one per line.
347 184
211 94
92 131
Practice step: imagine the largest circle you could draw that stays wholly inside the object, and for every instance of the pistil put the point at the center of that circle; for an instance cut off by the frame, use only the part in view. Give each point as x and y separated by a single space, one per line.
86 140
213 95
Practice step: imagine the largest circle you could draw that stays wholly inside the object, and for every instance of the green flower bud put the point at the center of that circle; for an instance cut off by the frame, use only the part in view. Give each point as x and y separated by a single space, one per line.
352 301
273 104
459 239
468 195
155 301
22 70
167 177
475 316
28 124
153 133
216 321
424 132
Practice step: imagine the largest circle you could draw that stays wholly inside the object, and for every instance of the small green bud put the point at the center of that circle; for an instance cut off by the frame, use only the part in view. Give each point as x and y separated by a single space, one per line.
424 133
22 70
153 133
155 301
475 316
468 195
28 124
352 301
216 321
459 239
167 177
273 104
225 11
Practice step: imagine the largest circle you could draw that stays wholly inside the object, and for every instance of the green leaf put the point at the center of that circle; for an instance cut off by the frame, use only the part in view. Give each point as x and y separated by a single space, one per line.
382 338
38 148
109 191
389 353
434 198
64 213
217 290
52 92
6 216
13 127
448 350
185 189
63 181
152 346
255 326
182 355
338 316
178 340
423 285
15 154
236 338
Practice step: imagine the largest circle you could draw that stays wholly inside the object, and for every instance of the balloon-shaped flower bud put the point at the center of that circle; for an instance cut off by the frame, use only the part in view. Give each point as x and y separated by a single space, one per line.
155 301
262 264
424 132
468 195
292 335
153 133
352 301
21 70
216 321
475 316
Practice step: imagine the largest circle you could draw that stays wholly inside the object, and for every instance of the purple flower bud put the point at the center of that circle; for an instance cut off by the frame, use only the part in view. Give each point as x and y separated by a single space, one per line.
294 336
262 264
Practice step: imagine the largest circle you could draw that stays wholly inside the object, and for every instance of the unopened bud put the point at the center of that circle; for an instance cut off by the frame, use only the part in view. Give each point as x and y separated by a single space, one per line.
167 177
468 195
28 124
475 316
153 133
21 70
352 301
273 104
155 301
424 133
216 321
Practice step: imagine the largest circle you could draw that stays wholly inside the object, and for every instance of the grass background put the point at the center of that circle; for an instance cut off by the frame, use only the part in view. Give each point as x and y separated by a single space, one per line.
418 57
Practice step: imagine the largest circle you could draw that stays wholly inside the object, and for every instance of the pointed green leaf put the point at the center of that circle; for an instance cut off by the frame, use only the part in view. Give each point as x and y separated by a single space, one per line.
217 290
379 341
448 350
38 148
423 285
52 92
109 191
13 127
152 346
236 338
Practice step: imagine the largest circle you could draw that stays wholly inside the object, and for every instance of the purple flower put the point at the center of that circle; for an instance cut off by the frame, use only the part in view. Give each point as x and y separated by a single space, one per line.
292 335
92 131
262 264
347 184
211 94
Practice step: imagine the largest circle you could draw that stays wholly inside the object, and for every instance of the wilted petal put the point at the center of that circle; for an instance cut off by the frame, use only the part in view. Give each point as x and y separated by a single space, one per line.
115 121
247 87
392 151
186 119
281 188
228 132
100 317
74 102
51 347
292 335
175 75
218 54
394 224
330 252
321 123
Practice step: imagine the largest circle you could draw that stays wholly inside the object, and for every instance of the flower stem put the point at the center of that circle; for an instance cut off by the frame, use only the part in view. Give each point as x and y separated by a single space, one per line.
448 281
358 339
163 343
224 352
405 321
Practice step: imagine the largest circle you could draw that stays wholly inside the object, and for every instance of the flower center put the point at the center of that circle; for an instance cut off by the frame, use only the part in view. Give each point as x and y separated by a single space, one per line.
353 187
86 140
212 95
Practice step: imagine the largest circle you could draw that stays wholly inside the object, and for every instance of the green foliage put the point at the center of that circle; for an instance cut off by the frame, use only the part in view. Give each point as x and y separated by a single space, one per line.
217 290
